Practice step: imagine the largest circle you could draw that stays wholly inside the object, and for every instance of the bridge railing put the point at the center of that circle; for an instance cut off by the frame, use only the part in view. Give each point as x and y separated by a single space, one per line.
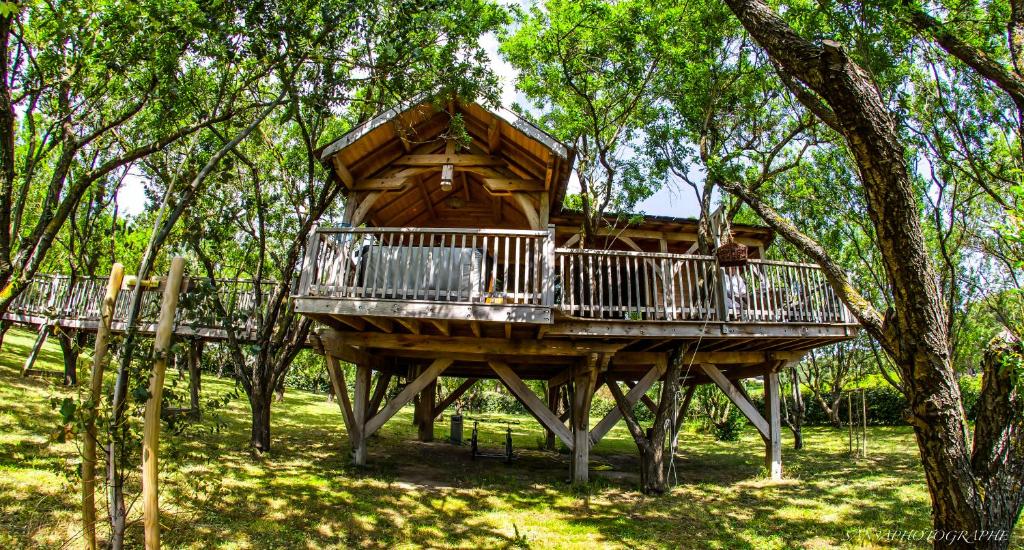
56 297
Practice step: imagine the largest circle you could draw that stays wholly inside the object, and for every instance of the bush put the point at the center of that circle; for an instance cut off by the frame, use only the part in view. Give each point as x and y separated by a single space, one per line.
730 429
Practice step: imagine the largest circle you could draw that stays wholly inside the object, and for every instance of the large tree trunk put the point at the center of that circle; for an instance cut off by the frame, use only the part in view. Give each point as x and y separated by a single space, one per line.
651 444
260 403
915 334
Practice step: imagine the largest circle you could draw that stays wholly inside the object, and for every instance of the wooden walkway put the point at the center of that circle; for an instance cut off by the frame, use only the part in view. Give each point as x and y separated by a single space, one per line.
54 300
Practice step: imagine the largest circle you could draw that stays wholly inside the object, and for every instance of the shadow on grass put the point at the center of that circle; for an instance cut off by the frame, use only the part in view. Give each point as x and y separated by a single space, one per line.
305 494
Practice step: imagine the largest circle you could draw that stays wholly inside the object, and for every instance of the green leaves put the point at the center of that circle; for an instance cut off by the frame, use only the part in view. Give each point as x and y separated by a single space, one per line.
8 9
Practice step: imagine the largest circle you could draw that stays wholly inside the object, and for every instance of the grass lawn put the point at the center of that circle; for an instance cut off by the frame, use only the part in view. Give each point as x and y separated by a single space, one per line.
214 494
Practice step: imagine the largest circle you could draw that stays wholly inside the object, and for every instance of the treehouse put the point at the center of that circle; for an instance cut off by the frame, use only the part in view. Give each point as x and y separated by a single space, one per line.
457 258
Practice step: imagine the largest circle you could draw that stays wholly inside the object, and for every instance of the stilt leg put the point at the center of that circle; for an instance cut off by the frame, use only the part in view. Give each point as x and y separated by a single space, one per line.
553 402
425 412
773 443
361 399
583 393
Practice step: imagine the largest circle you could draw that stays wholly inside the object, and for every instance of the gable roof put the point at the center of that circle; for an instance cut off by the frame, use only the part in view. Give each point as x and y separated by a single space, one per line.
402 150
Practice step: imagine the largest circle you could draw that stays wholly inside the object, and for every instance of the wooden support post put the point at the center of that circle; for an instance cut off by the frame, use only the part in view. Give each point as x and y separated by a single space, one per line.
151 422
44 331
341 391
773 443
425 412
553 401
583 392
99 358
361 401
379 391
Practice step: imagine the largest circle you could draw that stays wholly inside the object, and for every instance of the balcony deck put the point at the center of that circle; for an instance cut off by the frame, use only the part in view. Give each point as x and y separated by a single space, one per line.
401 291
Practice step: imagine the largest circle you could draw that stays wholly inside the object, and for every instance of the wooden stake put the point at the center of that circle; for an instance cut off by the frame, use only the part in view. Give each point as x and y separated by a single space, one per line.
95 387
151 422
864 404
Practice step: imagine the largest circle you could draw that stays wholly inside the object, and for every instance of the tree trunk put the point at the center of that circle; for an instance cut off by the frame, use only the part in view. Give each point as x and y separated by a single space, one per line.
4 327
69 350
195 357
651 443
260 405
914 336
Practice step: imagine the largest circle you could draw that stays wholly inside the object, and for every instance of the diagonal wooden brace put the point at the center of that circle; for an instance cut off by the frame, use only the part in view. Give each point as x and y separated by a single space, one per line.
734 395
533 403
405 396
634 395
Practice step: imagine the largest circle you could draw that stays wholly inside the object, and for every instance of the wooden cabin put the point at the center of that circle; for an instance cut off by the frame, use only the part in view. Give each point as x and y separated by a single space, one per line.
457 258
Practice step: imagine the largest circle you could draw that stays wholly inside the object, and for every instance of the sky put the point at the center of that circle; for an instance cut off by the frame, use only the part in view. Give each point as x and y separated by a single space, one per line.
669 201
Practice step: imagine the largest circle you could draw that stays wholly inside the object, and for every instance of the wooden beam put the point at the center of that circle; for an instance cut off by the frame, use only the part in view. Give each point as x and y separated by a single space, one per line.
464 344
635 393
44 331
381 184
561 378
544 212
582 395
379 391
512 185
475 327
647 401
352 355
737 398
343 173
441 326
532 403
529 210
360 405
337 376
455 160
364 207
426 198
354 322
516 313
412 325
384 324
494 136
456 393
405 396
508 331
773 443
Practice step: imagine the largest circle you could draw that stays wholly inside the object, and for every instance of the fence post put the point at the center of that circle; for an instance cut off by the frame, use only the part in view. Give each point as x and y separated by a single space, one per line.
549 267
151 423
309 260
95 387
720 292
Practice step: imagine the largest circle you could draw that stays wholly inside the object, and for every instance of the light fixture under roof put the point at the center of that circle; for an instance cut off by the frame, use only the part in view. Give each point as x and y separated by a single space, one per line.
447 175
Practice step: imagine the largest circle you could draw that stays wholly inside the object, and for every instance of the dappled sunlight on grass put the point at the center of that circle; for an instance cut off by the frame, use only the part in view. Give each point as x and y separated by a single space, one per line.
215 494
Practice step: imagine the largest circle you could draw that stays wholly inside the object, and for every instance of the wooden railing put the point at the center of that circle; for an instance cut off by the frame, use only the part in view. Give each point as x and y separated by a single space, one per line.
54 297
484 266
476 266
612 284
771 291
